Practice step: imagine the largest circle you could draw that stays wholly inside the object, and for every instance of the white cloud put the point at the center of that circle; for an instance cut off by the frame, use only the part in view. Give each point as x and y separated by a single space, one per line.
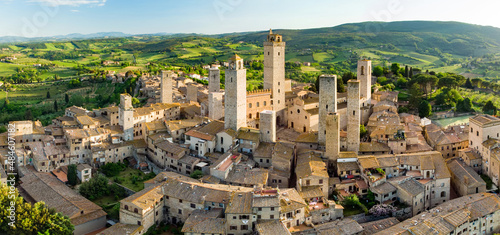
75 10
74 3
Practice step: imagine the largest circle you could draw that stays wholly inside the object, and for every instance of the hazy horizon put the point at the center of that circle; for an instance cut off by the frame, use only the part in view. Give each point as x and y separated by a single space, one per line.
46 18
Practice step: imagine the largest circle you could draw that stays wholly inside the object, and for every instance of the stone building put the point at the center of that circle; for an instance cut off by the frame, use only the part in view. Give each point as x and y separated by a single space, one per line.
274 73
464 179
215 105
474 214
166 86
213 80
235 100
327 103
353 115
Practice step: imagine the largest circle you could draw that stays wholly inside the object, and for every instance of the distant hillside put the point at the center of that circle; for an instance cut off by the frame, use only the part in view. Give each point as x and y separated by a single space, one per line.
74 36
448 37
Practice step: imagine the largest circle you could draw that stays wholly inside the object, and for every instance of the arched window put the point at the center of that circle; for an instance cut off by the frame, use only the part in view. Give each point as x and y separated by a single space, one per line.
249 105
265 103
362 70
326 107
298 110
135 210
443 194
258 104
126 207
249 115
257 115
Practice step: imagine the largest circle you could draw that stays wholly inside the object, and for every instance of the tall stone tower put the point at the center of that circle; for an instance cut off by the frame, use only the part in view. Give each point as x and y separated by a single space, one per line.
213 80
274 73
215 109
127 116
192 92
332 137
235 110
353 115
327 102
365 78
268 126
166 86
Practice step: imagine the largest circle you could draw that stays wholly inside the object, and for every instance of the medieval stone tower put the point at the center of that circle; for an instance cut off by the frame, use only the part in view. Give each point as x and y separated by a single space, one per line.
192 92
332 137
127 116
166 86
268 126
365 78
215 109
235 110
327 102
274 73
353 115
213 80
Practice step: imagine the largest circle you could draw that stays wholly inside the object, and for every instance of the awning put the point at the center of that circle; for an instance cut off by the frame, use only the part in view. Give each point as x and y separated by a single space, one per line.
201 164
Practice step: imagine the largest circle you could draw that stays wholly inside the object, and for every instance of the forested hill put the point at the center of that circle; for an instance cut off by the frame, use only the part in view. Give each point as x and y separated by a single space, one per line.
446 37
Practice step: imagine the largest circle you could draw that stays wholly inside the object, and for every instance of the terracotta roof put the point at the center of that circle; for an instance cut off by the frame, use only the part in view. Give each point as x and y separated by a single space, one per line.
119 228
208 131
240 203
244 176
168 147
205 222
310 137
271 227
251 134
373 147
55 194
383 189
465 174
310 165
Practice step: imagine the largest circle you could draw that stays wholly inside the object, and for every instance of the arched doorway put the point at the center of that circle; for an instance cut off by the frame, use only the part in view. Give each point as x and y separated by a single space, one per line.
292 125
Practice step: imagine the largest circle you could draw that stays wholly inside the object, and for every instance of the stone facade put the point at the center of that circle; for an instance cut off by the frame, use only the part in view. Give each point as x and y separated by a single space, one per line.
213 80
353 115
215 108
127 116
274 73
332 138
235 101
192 92
327 102
166 86
268 126
365 78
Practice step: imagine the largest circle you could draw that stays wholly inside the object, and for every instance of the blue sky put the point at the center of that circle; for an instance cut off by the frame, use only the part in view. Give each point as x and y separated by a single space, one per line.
35 18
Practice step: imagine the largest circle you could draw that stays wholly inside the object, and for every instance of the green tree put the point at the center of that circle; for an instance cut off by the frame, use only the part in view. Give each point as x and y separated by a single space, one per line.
72 177
196 174
411 72
96 187
378 71
28 115
415 96
55 105
424 109
30 219
340 85
406 71
66 98
401 82
464 106
490 108
348 76
395 68
48 94
362 130
468 84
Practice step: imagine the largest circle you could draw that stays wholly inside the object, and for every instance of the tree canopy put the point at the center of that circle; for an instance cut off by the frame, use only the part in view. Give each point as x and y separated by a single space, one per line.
30 219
